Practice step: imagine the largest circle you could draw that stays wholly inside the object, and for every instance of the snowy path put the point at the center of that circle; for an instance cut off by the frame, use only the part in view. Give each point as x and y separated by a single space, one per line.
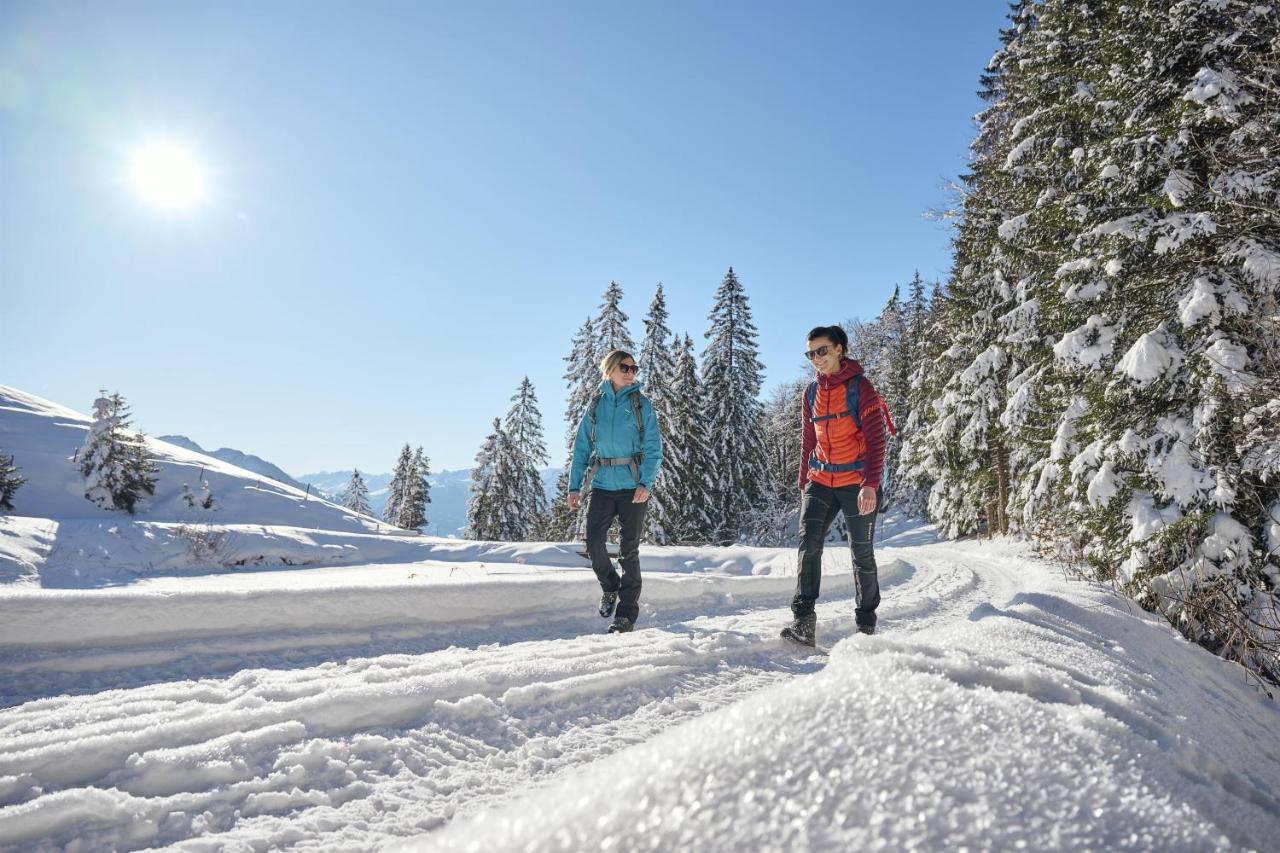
349 739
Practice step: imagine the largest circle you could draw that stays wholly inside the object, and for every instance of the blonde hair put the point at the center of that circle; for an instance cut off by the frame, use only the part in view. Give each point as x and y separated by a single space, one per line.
610 362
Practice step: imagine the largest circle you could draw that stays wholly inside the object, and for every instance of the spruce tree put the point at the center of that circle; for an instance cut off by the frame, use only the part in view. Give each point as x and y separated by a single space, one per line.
524 427
417 492
356 495
115 462
400 477
685 513
732 377
775 521
493 512
658 368
655 353
10 481
610 325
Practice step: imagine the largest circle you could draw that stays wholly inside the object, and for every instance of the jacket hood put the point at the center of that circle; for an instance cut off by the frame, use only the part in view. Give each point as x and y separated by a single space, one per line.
849 368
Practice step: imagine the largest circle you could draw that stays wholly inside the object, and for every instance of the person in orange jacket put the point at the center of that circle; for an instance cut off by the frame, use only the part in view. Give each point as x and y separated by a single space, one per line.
841 464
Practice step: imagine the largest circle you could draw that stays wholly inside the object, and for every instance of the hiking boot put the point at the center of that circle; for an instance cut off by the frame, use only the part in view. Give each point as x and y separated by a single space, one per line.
866 629
803 630
621 625
608 601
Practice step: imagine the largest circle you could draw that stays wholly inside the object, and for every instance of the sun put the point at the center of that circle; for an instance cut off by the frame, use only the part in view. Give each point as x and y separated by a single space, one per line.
167 176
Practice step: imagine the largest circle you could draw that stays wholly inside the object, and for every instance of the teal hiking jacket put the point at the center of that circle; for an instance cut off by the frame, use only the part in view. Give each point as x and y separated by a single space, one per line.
616 435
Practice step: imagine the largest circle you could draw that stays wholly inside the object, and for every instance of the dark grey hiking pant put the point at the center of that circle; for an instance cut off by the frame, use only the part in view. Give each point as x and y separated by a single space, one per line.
602 507
821 503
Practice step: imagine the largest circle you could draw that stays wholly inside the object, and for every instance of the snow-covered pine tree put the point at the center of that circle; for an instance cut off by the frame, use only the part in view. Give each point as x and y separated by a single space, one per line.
1175 251
610 326
493 513
774 523
396 489
965 452
356 495
686 516
582 376
656 362
731 379
10 481
115 462
904 493
484 487
657 368
417 492
524 426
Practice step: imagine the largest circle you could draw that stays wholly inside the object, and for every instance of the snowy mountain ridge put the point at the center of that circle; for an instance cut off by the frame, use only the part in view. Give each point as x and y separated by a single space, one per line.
238 458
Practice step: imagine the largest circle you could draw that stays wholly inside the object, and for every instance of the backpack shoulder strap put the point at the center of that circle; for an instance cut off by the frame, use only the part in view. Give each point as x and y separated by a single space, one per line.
811 399
637 408
591 415
852 392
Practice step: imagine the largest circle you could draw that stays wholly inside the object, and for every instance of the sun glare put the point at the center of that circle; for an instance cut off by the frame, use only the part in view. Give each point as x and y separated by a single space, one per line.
166 176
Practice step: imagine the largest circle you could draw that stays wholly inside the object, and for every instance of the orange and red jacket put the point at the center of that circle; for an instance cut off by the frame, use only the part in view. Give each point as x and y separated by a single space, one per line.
835 439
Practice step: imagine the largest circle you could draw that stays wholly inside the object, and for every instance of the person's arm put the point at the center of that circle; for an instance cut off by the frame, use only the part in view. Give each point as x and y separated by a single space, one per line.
807 443
652 445
581 452
873 434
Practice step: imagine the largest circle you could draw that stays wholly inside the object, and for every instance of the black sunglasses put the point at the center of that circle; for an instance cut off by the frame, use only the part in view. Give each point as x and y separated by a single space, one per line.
629 368
820 352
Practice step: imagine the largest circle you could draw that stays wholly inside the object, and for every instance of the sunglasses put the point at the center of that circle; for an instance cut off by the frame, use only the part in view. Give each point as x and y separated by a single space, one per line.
629 368
820 352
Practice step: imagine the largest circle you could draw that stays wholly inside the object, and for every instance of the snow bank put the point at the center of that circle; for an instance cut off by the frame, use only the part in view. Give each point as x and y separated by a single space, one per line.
1058 720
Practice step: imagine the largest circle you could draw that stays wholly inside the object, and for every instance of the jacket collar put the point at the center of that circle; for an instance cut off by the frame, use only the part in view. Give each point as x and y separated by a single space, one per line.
849 368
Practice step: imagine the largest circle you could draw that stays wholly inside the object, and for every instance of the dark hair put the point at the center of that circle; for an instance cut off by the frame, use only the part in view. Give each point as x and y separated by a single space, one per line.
835 334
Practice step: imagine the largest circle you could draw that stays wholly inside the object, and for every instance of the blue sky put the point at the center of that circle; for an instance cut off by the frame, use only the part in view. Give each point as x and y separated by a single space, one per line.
409 206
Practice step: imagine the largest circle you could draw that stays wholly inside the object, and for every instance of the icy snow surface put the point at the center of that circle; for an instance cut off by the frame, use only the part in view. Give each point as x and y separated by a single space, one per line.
320 684
999 705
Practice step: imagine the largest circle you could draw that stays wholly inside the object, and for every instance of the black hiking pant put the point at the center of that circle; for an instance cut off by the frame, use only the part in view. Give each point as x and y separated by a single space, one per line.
602 508
821 503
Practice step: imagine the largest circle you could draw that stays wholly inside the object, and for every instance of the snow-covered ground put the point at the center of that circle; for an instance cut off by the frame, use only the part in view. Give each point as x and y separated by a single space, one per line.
477 706
280 673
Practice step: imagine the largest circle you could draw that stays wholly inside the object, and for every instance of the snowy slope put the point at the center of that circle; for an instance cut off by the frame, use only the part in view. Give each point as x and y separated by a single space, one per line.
463 704
98 546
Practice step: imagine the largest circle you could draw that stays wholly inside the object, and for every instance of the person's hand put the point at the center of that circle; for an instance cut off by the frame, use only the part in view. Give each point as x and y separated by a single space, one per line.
642 495
866 500
573 501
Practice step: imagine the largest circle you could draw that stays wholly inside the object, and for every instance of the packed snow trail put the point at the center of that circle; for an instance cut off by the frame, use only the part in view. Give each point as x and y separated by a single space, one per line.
999 704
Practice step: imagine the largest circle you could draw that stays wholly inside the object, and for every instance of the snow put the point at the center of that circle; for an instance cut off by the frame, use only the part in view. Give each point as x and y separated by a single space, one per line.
1230 360
1199 304
1086 291
1109 172
1178 186
1075 266
1087 345
1147 518
1209 83
345 688
700 731
1104 485
1258 262
1019 151
1155 355
1273 529
1011 227
1177 228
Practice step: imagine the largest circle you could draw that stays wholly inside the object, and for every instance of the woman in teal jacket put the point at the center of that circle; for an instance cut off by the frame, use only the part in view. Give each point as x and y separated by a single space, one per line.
616 454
